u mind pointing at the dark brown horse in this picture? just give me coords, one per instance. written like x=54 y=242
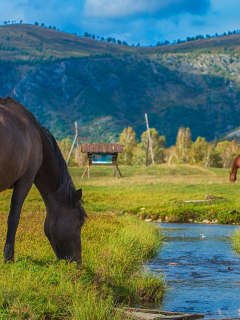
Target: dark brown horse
x=235 y=166
x=30 y=154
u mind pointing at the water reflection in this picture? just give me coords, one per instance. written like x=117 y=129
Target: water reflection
x=203 y=274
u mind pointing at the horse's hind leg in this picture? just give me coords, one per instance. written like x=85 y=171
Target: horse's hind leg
x=20 y=191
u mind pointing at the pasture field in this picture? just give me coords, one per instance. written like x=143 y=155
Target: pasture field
x=159 y=192
x=37 y=286
x=115 y=241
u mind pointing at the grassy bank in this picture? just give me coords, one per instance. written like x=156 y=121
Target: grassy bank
x=236 y=240
x=36 y=286
x=159 y=192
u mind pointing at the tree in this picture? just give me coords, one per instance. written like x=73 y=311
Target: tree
x=124 y=43
x=36 y=23
x=42 y=24
x=183 y=143
x=128 y=139
x=109 y=39
x=171 y=155
x=21 y=21
x=102 y=39
x=198 y=151
x=86 y=34
x=119 y=42
x=158 y=146
x=227 y=151
x=212 y=158
x=93 y=36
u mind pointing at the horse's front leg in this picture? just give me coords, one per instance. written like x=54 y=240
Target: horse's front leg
x=20 y=191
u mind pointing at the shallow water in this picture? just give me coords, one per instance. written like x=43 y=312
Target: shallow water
x=201 y=281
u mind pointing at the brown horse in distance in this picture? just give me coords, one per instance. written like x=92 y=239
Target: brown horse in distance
x=235 y=166
x=30 y=154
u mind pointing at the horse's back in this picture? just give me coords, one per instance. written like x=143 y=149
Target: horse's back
x=20 y=143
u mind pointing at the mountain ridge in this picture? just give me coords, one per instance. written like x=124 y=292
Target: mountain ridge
x=106 y=87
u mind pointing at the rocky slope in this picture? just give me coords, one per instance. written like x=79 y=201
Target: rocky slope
x=198 y=88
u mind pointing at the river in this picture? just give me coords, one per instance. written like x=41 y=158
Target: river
x=206 y=277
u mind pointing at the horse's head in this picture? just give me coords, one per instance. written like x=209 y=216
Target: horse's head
x=63 y=229
x=233 y=176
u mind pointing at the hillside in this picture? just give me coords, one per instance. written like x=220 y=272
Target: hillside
x=62 y=78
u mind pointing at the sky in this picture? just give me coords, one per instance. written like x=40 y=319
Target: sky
x=135 y=21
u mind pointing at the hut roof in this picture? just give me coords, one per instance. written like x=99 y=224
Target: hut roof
x=102 y=148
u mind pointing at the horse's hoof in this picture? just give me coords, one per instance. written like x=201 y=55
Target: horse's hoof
x=8 y=255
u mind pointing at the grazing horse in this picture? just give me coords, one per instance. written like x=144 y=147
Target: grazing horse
x=235 y=166
x=29 y=155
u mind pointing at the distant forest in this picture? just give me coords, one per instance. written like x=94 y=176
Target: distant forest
x=123 y=42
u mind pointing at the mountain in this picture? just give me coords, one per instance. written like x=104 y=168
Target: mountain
x=105 y=87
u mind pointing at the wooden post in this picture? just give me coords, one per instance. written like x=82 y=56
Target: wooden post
x=116 y=167
x=72 y=144
x=119 y=171
x=79 y=156
x=88 y=167
x=146 y=163
x=84 y=172
x=77 y=149
x=149 y=138
x=115 y=170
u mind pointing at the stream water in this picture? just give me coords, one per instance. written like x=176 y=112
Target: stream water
x=206 y=277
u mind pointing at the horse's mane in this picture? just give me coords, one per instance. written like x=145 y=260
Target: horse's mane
x=65 y=181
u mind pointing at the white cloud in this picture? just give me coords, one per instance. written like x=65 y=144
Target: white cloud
x=125 y=8
x=122 y=8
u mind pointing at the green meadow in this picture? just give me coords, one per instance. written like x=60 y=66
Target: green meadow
x=160 y=192
x=37 y=286
x=116 y=241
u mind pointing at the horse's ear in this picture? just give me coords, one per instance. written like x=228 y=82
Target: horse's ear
x=77 y=195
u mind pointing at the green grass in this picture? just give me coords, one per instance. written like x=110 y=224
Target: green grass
x=36 y=286
x=115 y=241
x=236 y=240
x=159 y=192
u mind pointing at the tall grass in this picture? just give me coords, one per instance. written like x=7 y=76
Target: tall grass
x=236 y=240
x=37 y=286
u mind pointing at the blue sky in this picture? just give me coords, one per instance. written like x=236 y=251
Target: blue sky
x=135 y=21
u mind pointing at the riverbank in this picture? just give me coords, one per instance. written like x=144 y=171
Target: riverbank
x=160 y=191
x=236 y=240
x=36 y=286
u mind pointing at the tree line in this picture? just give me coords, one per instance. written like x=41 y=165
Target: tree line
x=185 y=151
x=114 y=41
x=199 y=152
